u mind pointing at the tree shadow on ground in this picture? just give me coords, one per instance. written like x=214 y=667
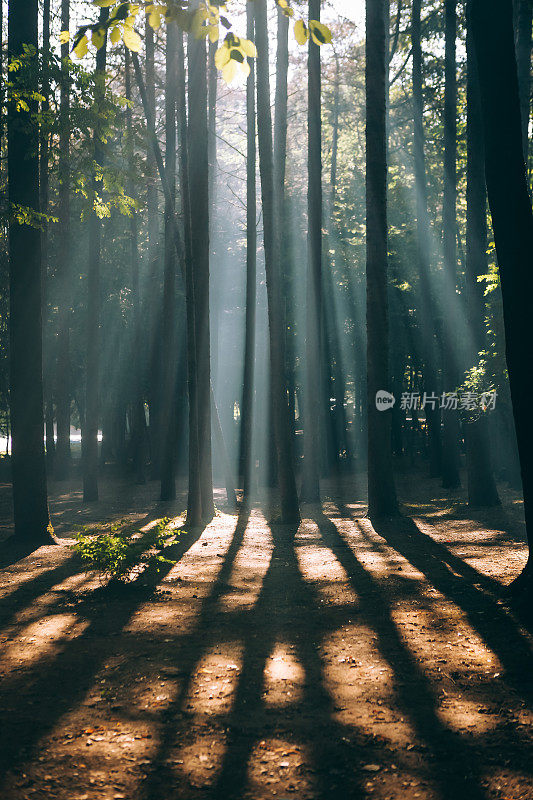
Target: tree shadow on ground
x=475 y=594
x=29 y=591
x=286 y=612
x=34 y=698
x=454 y=768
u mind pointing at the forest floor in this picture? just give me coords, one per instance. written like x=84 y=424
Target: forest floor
x=338 y=660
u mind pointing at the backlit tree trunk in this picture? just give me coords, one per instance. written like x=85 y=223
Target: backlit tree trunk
x=512 y=218
x=63 y=380
x=199 y=210
x=287 y=484
x=32 y=522
x=92 y=388
x=381 y=490
x=313 y=342
x=246 y=443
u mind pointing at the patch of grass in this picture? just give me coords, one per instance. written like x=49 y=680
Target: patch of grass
x=122 y=554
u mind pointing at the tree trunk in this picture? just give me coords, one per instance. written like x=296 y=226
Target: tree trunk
x=482 y=489
x=138 y=418
x=290 y=512
x=199 y=216
x=168 y=423
x=427 y=315
x=246 y=444
x=512 y=218
x=523 y=60
x=154 y=290
x=451 y=318
x=313 y=423
x=194 y=499
x=92 y=388
x=381 y=490
x=63 y=382
x=32 y=522
x=44 y=192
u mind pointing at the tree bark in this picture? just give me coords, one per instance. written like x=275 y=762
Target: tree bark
x=512 y=218
x=451 y=316
x=290 y=512
x=523 y=60
x=482 y=490
x=246 y=443
x=381 y=490
x=44 y=191
x=199 y=211
x=153 y=299
x=63 y=380
x=313 y=423
x=32 y=522
x=92 y=388
x=427 y=311
x=194 y=499
x=138 y=418
x=169 y=356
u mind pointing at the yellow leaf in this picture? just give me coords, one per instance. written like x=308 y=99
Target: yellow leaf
x=104 y=3
x=82 y=47
x=154 y=19
x=248 y=48
x=230 y=70
x=213 y=33
x=320 y=33
x=245 y=68
x=222 y=56
x=301 y=33
x=98 y=38
x=115 y=35
x=132 y=40
x=64 y=37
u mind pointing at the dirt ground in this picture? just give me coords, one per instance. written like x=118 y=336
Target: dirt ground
x=338 y=660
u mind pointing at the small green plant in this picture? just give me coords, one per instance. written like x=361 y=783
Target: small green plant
x=122 y=554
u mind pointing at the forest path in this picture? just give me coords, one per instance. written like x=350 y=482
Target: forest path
x=336 y=660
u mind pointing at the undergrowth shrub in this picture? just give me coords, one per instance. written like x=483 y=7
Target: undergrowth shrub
x=120 y=554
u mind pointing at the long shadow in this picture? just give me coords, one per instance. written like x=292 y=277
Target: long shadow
x=14 y=549
x=454 y=768
x=441 y=553
x=288 y=611
x=190 y=651
x=22 y=597
x=493 y=622
x=34 y=699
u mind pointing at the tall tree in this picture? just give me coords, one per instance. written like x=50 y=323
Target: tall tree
x=290 y=511
x=194 y=498
x=481 y=486
x=512 y=219
x=32 y=522
x=92 y=372
x=381 y=490
x=168 y=421
x=450 y=321
x=63 y=377
x=199 y=211
x=44 y=190
x=313 y=341
x=524 y=24
x=153 y=299
x=423 y=237
x=251 y=273
x=138 y=417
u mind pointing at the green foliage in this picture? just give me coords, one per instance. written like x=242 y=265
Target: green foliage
x=122 y=554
